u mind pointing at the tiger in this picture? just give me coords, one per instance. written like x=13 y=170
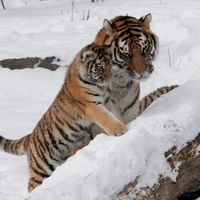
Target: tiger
x=65 y=127
x=133 y=47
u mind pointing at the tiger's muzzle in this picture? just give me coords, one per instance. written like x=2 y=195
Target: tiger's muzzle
x=140 y=67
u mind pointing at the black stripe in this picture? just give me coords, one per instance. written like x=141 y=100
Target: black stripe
x=46 y=143
x=71 y=127
x=61 y=108
x=67 y=96
x=93 y=94
x=131 y=104
x=51 y=134
x=51 y=137
x=58 y=119
x=86 y=82
x=140 y=107
x=1 y=138
x=106 y=100
x=81 y=127
x=64 y=135
x=41 y=132
x=12 y=148
x=95 y=102
x=78 y=137
x=36 y=181
x=44 y=175
x=63 y=144
x=151 y=98
x=146 y=103
x=75 y=100
x=41 y=144
x=7 y=146
x=39 y=166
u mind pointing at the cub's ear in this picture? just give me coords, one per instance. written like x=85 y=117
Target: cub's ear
x=108 y=27
x=145 y=20
x=87 y=55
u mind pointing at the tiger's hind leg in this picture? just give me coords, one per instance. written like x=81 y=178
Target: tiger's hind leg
x=39 y=170
x=34 y=181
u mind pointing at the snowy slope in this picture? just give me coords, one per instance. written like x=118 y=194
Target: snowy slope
x=45 y=28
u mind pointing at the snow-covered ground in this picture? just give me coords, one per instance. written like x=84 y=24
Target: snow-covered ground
x=52 y=27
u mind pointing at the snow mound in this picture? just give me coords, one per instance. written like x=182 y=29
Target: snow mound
x=108 y=163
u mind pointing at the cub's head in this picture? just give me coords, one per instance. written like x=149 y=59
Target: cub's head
x=132 y=45
x=96 y=64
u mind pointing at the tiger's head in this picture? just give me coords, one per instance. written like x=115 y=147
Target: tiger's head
x=96 y=64
x=131 y=43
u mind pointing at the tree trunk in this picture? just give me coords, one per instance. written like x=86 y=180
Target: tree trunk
x=188 y=178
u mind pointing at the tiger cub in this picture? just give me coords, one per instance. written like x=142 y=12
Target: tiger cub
x=65 y=127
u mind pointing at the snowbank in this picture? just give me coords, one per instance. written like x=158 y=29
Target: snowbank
x=108 y=163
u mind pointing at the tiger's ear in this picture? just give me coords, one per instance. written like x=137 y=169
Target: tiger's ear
x=108 y=26
x=146 y=20
x=87 y=55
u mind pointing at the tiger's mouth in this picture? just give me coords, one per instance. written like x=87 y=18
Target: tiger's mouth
x=140 y=76
x=97 y=80
x=101 y=81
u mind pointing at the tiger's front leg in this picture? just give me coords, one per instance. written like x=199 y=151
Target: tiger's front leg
x=105 y=119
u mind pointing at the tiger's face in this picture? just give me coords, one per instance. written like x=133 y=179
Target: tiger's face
x=97 y=64
x=132 y=45
x=134 y=54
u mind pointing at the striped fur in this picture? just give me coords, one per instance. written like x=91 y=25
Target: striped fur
x=133 y=47
x=148 y=99
x=65 y=127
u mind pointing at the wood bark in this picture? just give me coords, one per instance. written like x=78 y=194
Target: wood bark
x=50 y=63
x=187 y=181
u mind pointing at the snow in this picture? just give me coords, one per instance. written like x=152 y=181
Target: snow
x=100 y=170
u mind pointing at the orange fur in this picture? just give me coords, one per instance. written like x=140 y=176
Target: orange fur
x=66 y=126
x=133 y=47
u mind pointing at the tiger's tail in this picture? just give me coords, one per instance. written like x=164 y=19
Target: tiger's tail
x=16 y=147
x=148 y=99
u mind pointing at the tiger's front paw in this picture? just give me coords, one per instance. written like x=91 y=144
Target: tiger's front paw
x=121 y=133
x=118 y=129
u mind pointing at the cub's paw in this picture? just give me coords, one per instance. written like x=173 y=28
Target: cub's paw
x=121 y=133
x=118 y=128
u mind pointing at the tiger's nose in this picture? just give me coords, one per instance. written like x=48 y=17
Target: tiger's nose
x=107 y=75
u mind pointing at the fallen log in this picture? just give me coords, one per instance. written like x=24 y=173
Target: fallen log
x=50 y=63
x=186 y=162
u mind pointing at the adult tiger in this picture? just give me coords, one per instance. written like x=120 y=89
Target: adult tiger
x=133 y=47
x=65 y=127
